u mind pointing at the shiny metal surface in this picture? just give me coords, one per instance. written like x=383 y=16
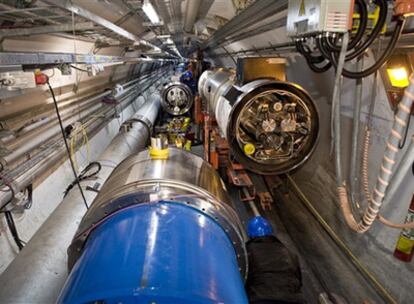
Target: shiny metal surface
x=159 y=252
x=276 y=120
x=182 y=177
x=177 y=98
x=39 y=271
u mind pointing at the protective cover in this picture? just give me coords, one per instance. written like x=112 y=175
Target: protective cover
x=274 y=273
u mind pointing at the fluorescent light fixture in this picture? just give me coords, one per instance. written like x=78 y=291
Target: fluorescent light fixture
x=149 y=10
x=169 y=41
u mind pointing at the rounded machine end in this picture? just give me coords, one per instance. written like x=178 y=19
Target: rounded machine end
x=273 y=127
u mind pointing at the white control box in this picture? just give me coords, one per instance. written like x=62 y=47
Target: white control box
x=307 y=17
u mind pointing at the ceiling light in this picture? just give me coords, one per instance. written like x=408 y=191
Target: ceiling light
x=149 y=10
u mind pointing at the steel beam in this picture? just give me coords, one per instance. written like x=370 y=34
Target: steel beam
x=78 y=10
x=84 y=26
x=256 y=12
x=256 y=31
x=10 y=60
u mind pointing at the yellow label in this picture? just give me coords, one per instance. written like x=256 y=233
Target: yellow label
x=302 y=11
x=405 y=245
x=249 y=149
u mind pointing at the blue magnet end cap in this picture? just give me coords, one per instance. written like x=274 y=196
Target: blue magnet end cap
x=258 y=227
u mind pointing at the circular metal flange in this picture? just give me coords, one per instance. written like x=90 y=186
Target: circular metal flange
x=168 y=191
x=177 y=98
x=142 y=119
x=182 y=178
x=242 y=104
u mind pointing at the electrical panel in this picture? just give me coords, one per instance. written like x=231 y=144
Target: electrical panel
x=306 y=17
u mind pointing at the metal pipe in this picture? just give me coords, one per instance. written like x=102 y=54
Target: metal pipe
x=180 y=223
x=191 y=12
x=21 y=182
x=371 y=213
x=256 y=12
x=401 y=172
x=67 y=106
x=37 y=274
x=34 y=138
x=336 y=112
x=356 y=126
x=259 y=120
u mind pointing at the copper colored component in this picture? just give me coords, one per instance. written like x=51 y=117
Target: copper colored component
x=198 y=113
x=266 y=200
x=251 y=194
x=404 y=7
x=238 y=176
x=214 y=159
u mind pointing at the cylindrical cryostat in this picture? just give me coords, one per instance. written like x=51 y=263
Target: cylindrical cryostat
x=271 y=126
x=160 y=231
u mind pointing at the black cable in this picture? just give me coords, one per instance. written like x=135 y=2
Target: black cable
x=62 y=129
x=363 y=13
x=313 y=60
x=5 y=182
x=383 y=6
x=79 y=69
x=401 y=144
x=383 y=58
x=29 y=203
x=83 y=175
x=13 y=229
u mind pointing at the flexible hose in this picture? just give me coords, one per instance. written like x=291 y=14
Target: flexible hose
x=383 y=7
x=365 y=160
x=365 y=183
x=375 y=201
x=313 y=60
x=384 y=57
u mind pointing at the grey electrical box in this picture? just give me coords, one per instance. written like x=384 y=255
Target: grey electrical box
x=307 y=17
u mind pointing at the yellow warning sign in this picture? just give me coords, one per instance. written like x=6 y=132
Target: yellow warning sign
x=302 y=11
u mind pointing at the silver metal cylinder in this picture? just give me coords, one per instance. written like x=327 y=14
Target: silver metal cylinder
x=271 y=126
x=183 y=178
x=177 y=98
x=38 y=273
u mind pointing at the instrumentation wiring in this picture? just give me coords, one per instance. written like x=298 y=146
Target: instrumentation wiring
x=62 y=129
x=329 y=51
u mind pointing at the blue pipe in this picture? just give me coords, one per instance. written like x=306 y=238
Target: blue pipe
x=162 y=252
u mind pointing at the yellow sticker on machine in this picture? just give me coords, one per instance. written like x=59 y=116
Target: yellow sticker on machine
x=405 y=245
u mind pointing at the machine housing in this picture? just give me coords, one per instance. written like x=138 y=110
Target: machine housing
x=306 y=17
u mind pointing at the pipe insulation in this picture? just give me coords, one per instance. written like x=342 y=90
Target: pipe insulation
x=39 y=271
x=21 y=181
x=40 y=114
x=386 y=168
x=165 y=231
x=35 y=137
